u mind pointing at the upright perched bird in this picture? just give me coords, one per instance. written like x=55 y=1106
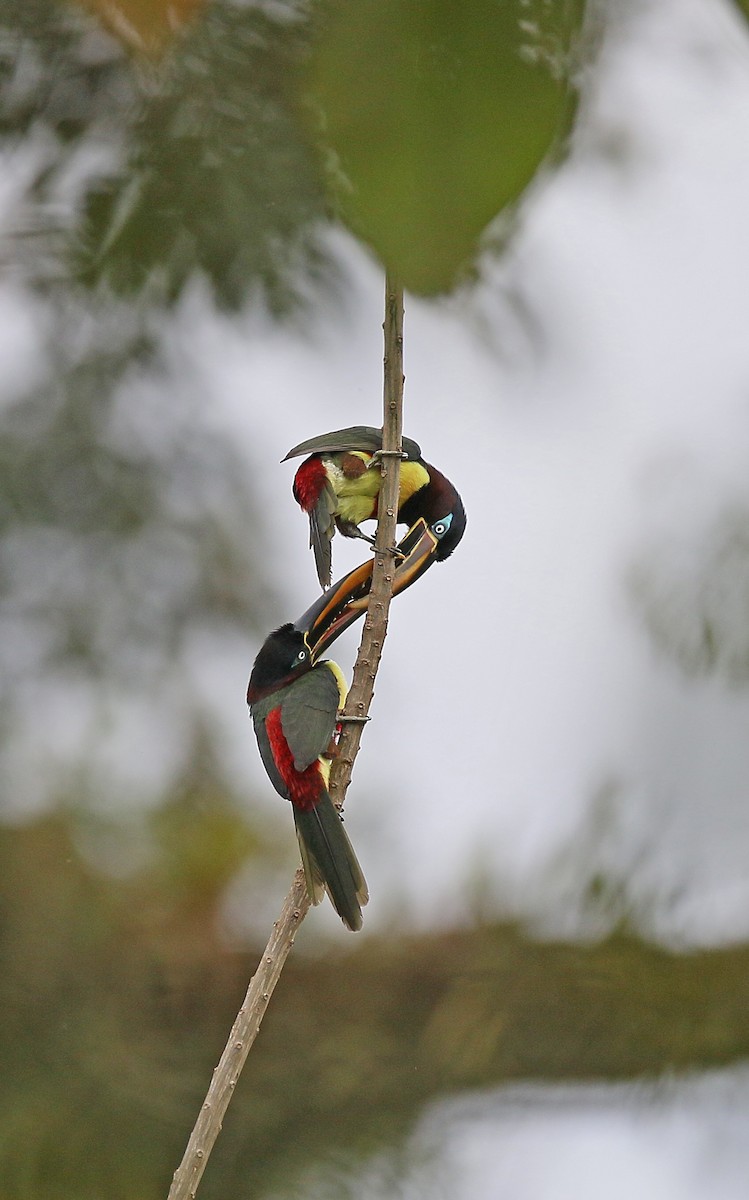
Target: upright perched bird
x=338 y=486
x=294 y=703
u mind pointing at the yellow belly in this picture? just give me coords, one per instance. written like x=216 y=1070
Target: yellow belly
x=337 y=673
x=356 y=497
x=340 y=679
x=413 y=476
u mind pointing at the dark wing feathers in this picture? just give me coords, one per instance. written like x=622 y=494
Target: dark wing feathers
x=329 y=860
x=355 y=437
x=312 y=870
x=308 y=715
x=321 y=530
x=266 y=755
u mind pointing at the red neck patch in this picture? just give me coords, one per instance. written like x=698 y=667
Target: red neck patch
x=309 y=482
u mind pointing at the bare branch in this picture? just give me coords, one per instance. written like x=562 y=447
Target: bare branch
x=375 y=623
x=243 y=1033
x=296 y=905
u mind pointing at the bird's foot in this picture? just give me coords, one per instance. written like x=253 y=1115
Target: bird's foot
x=396 y=553
x=378 y=455
x=350 y=529
x=332 y=750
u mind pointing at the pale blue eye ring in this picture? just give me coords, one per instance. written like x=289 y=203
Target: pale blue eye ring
x=441 y=527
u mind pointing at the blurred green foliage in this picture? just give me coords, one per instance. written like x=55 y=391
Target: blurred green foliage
x=127 y=537
x=144 y=174
x=217 y=177
x=428 y=119
x=436 y=116
x=690 y=589
x=117 y=997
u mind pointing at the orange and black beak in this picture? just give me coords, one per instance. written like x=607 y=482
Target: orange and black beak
x=346 y=600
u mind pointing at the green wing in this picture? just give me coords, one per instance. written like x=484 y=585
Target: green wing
x=308 y=715
x=356 y=437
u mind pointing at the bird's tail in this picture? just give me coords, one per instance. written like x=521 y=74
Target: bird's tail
x=321 y=530
x=329 y=861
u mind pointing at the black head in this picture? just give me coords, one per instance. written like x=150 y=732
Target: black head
x=441 y=507
x=283 y=656
x=449 y=528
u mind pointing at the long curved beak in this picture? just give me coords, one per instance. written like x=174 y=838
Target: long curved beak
x=346 y=600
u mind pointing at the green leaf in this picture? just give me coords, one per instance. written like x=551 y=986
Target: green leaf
x=438 y=115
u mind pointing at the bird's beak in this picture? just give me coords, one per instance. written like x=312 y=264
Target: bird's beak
x=346 y=600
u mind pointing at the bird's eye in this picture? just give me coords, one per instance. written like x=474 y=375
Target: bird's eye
x=301 y=655
x=441 y=527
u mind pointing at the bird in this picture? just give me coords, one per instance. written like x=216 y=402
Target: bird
x=338 y=487
x=294 y=701
x=347 y=600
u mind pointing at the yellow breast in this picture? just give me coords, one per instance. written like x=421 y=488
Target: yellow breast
x=412 y=477
x=356 y=497
x=340 y=679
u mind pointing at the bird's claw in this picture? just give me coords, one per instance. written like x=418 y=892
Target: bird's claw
x=350 y=529
x=396 y=553
x=378 y=455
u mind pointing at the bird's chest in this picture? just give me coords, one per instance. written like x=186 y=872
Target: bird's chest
x=356 y=487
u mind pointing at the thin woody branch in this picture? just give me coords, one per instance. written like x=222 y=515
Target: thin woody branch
x=243 y=1033
x=375 y=623
x=296 y=905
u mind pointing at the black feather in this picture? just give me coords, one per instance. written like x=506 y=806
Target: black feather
x=329 y=858
x=355 y=437
x=321 y=530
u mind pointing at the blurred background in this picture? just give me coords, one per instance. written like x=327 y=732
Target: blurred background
x=550 y=995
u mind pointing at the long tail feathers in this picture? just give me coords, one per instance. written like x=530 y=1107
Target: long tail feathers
x=329 y=861
x=321 y=530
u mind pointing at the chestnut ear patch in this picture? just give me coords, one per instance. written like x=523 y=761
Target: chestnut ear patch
x=353 y=466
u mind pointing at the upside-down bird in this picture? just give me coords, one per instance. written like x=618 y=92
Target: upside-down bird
x=338 y=486
x=294 y=702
